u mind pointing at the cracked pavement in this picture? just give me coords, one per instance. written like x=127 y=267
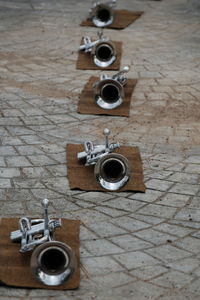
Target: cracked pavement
x=133 y=245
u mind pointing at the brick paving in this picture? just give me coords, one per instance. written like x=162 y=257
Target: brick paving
x=133 y=246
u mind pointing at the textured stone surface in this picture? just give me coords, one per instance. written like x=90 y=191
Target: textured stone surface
x=133 y=246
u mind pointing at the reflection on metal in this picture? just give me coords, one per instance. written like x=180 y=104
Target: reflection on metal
x=102 y=51
x=109 y=91
x=101 y=14
x=111 y=170
x=52 y=262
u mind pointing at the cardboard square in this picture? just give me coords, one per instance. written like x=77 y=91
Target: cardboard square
x=122 y=19
x=82 y=177
x=87 y=104
x=15 y=266
x=85 y=61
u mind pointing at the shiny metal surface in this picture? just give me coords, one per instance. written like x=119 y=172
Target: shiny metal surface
x=52 y=262
x=109 y=91
x=102 y=14
x=93 y=152
x=104 y=54
x=102 y=51
x=35 y=232
x=112 y=170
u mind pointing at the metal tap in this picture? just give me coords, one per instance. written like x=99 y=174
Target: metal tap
x=35 y=232
x=93 y=152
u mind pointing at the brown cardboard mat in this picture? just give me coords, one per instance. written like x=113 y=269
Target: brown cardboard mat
x=82 y=177
x=87 y=104
x=15 y=266
x=122 y=19
x=85 y=61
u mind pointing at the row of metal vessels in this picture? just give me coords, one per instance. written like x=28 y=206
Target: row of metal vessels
x=53 y=262
x=111 y=170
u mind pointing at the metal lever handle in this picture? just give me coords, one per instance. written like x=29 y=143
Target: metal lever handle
x=121 y=75
x=106 y=132
x=45 y=204
x=93 y=153
x=35 y=232
x=88 y=44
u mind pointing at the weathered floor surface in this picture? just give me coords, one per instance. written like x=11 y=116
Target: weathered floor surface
x=133 y=246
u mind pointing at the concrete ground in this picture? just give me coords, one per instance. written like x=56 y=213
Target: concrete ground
x=133 y=246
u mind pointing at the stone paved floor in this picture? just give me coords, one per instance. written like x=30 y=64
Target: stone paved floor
x=133 y=246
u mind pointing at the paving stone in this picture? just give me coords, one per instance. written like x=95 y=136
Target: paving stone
x=57 y=170
x=132 y=260
x=11 y=141
x=28 y=150
x=41 y=160
x=101 y=265
x=27 y=184
x=158 y=210
x=184 y=178
x=186 y=265
x=130 y=243
x=189 y=244
x=34 y=172
x=168 y=253
x=157 y=184
x=194 y=287
x=167 y=157
x=125 y=204
x=11 y=208
x=86 y=234
x=85 y=204
x=185 y=189
x=5 y=183
x=32 y=111
x=188 y=214
x=2 y=162
x=155 y=237
x=160 y=174
x=101 y=247
x=175 y=200
x=195 y=203
x=59 y=157
x=130 y=224
x=7 y=151
x=106 y=229
x=51 y=148
x=148 y=219
x=94 y=197
x=113 y=280
x=111 y=212
x=172 y=279
x=193 y=159
x=173 y=229
x=64 y=204
x=141 y=290
x=149 y=272
x=45 y=193
x=19 y=130
x=148 y=196
x=89 y=215
x=21 y=161
x=9 y=172
x=177 y=167
x=12 y=292
x=192 y=168
x=32 y=139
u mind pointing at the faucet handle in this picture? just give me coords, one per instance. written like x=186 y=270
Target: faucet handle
x=106 y=133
